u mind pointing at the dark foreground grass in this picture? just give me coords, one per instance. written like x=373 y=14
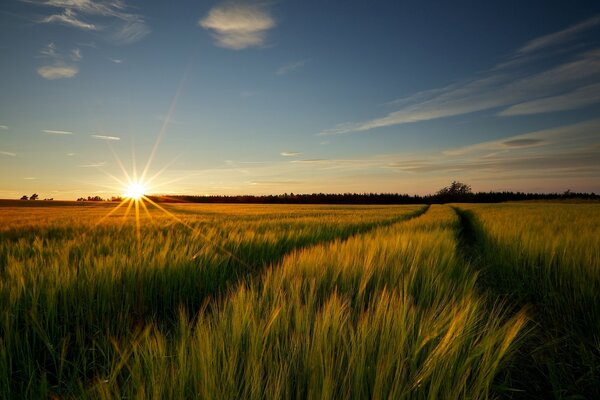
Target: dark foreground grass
x=546 y=256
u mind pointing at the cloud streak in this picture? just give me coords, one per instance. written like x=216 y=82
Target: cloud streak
x=8 y=153
x=521 y=86
x=291 y=67
x=109 y=16
x=56 y=67
x=580 y=97
x=53 y=132
x=572 y=150
x=238 y=26
x=102 y=137
x=560 y=37
x=69 y=17
x=59 y=71
x=93 y=165
x=290 y=153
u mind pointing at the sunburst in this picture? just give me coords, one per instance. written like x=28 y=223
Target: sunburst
x=136 y=189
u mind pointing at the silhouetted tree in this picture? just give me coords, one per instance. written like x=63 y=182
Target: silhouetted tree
x=24 y=197
x=34 y=196
x=455 y=189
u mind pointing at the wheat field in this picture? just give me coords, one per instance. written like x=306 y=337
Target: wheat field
x=318 y=302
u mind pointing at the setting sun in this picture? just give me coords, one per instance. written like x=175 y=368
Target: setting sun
x=135 y=191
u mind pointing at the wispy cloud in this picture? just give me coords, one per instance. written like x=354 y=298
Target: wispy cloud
x=102 y=137
x=76 y=54
x=238 y=26
x=49 y=50
x=93 y=165
x=70 y=18
x=52 y=72
x=580 y=97
x=560 y=37
x=116 y=60
x=522 y=85
x=275 y=182
x=56 y=66
x=110 y=16
x=290 y=153
x=3 y=127
x=30 y=178
x=54 y=132
x=291 y=67
x=572 y=150
x=7 y=153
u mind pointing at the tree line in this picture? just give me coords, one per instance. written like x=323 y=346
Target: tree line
x=456 y=192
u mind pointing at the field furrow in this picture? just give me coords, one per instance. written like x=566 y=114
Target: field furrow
x=548 y=258
x=393 y=313
x=70 y=291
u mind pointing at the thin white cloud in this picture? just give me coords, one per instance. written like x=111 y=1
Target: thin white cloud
x=76 y=54
x=291 y=67
x=70 y=18
x=566 y=136
x=116 y=60
x=560 y=37
x=566 y=151
x=580 y=97
x=70 y=154
x=57 y=71
x=102 y=137
x=501 y=86
x=110 y=16
x=30 y=178
x=3 y=127
x=7 y=153
x=56 y=67
x=290 y=153
x=54 y=132
x=131 y=31
x=49 y=50
x=93 y=165
x=238 y=26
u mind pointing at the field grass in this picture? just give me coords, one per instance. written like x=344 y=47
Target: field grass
x=548 y=256
x=231 y=301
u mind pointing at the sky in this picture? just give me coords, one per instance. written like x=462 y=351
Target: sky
x=301 y=96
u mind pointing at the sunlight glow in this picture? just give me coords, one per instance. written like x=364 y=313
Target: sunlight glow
x=135 y=191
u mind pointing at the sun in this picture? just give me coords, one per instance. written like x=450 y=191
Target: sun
x=135 y=191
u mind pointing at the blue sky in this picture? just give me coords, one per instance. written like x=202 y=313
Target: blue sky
x=298 y=96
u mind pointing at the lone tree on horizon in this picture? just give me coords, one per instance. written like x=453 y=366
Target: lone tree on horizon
x=457 y=191
x=34 y=196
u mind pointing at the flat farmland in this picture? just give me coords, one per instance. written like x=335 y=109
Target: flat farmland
x=291 y=301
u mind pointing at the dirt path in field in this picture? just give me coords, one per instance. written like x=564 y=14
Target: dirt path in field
x=533 y=373
x=245 y=269
x=524 y=374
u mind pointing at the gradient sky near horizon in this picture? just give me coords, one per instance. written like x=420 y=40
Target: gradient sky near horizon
x=267 y=97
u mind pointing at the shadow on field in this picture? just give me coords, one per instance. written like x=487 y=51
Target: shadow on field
x=70 y=331
x=558 y=358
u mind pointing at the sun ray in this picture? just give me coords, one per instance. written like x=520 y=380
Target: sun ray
x=128 y=209
x=165 y=124
x=197 y=232
x=137 y=226
x=143 y=204
x=110 y=213
x=163 y=169
x=125 y=174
